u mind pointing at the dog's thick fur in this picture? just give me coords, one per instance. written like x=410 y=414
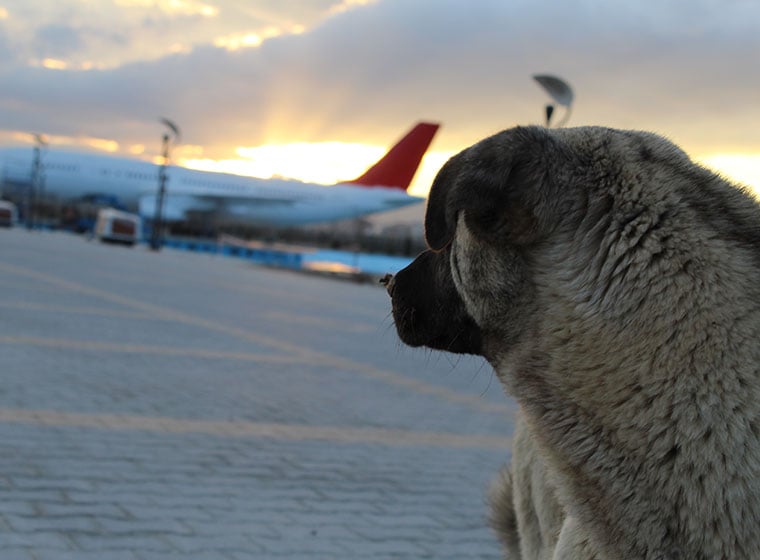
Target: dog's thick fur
x=614 y=286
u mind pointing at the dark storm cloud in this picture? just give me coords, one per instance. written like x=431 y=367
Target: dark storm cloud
x=685 y=69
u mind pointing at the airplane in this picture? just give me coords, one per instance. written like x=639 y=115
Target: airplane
x=228 y=198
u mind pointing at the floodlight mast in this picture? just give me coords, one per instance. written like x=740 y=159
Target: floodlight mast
x=560 y=92
x=156 y=238
x=36 y=185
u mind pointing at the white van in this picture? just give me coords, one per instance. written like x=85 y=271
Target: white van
x=8 y=214
x=115 y=226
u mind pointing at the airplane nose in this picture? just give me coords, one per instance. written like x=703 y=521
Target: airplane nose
x=389 y=282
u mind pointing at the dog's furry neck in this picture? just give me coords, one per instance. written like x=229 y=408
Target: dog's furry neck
x=619 y=380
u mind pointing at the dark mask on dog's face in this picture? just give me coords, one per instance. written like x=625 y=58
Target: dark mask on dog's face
x=427 y=308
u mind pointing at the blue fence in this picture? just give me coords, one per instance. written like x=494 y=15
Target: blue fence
x=346 y=261
x=269 y=257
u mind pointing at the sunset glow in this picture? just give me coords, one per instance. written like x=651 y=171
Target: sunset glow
x=323 y=163
x=250 y=40
x=741 y=168
x=110 y=146
x=180 y=7
x=328 y=163
x=54 y=64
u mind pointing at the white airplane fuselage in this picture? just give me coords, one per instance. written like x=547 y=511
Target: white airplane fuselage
x=69 y=176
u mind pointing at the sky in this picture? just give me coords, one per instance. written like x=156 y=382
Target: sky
x=317 y=90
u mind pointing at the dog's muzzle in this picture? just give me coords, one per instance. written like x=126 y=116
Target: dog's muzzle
x=427 y=309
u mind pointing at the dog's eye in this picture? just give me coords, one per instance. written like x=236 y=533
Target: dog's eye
x=489 y=220
x=484 y=223
x=514 y=224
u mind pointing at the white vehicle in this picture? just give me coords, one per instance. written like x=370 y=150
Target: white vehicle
x=115 y=226
x=228 y=198
x=8 y=214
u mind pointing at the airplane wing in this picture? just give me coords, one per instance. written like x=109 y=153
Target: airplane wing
x=278 y=210
x=176 y=206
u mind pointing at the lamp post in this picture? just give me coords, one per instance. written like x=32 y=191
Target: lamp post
x=156 y=234
x=560 y=92
x=35 y=185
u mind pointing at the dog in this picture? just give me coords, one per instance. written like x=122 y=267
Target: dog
x=614 y=287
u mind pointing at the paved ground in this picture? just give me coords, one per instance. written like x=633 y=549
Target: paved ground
x=158 y=405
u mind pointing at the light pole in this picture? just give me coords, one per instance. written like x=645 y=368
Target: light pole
x=35 y=185
x=156 y=233
x=560 y=92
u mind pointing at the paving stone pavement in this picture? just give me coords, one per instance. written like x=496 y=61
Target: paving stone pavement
x=179 y=405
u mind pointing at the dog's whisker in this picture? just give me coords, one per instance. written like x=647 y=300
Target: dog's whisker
x=490 y=380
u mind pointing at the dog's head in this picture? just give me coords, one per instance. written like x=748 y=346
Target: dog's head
x=497 y=213
x=484 y=212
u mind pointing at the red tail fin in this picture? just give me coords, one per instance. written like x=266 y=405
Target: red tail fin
x=397 y=168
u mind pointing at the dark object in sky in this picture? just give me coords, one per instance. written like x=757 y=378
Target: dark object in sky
x=549 y=113
x=173 y=127
x=558 y=89
x=560 y=92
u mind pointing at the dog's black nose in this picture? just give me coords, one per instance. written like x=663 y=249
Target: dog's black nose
x=388 y=281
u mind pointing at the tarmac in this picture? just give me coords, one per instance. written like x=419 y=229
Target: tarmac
x=182 y=405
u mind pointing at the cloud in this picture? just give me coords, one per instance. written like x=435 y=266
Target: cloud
x=172 y=7
x=57 y=41
x=6 y=51
x=685 y=69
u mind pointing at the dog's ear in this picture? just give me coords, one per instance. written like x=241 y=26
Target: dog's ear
x=497 y=183
x=440 y=216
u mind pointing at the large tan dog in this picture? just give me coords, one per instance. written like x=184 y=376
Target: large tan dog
x=614 y=286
